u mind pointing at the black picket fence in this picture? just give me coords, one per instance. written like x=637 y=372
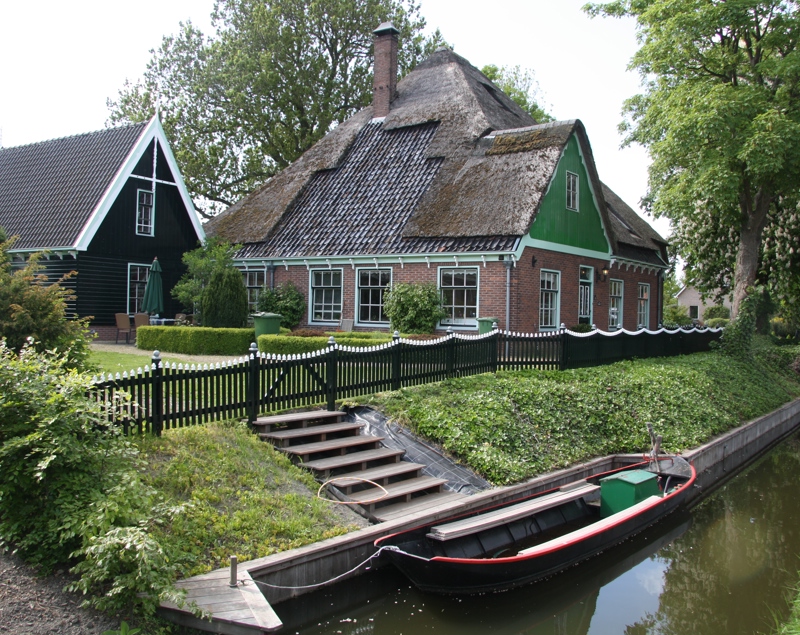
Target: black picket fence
x=164 y=396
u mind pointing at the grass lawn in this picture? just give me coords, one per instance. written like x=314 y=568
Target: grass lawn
x=133 y=358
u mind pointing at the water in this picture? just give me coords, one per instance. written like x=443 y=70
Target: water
x=724 y=568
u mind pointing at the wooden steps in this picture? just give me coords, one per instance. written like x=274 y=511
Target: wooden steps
x=333 y=448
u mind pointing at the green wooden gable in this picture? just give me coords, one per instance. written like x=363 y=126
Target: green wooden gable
x=555 y=223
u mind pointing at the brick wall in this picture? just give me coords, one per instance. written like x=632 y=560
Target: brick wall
x=524 y=288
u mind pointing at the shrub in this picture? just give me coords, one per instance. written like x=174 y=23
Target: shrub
x=414 y=307
x=293 y=345
x=581 y=328
x=738 y=337
x=201 y=263
x=285 y=299
x=676 y=314
x=225 y=300
x=190 y=340
x=32 y=306
x=716 y=311
x=715 y=323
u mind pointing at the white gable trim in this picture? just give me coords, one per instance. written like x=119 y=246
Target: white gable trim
x=153 y=130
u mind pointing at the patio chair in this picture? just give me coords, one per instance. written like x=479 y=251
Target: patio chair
x=141 y=319
x=123 y=326
x=346 y=325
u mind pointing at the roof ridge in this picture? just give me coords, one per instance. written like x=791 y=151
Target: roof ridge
x=538 y=126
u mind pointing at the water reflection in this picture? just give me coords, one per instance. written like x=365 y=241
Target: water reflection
x=724 y=570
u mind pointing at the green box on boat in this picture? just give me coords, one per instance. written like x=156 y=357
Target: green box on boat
x=620 y=491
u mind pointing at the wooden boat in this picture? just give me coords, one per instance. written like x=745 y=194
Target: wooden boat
x=533 y=538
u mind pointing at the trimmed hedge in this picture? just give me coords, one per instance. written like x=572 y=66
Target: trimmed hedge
x=195 y=340
x=715 y=323
x=290 y=345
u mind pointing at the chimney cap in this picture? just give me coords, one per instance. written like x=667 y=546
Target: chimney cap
x=386 y=28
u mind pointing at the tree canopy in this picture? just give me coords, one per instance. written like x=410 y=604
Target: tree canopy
x=720 y=116
x=520 y=84
x=242 y=104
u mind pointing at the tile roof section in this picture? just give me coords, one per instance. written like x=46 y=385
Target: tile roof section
x=48 y=190
x=362 y=206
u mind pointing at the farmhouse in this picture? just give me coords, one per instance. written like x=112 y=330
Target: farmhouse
x=445 y=179
x=103 y=204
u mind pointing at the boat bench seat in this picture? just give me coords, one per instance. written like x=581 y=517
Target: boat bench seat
x=600 y=525
x=472 y=525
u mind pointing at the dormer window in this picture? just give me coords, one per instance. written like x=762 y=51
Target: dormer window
x=572 y=191
x=144 y=213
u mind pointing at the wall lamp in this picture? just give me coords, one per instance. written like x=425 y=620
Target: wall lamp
x=533 y=262
x=601 y=276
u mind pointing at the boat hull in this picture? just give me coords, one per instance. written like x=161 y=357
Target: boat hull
x=457 y=576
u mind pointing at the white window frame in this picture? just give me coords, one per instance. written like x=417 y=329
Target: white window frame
x=251 y=277
x=573 y=191
x=643 y=306
x=335 y=315
x=142 y=228
x=589 y=289
x=615 y=304
x=555 y=308
x=381 y=289
x=462 y=322
x=135 y=306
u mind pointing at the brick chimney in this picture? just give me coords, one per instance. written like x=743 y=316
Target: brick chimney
x=385 y=71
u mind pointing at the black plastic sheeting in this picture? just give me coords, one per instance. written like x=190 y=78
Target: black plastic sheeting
x=459 y=478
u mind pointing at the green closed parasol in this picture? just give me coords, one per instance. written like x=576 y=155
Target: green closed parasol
x=153 y=300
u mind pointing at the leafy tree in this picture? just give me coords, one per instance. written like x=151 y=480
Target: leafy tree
x=32 y=306
x=285 y=299
x=414 y=307
x=225 y=299
x=521 y=85
x=720 y=116
x=276 y=76
x=676 y=315
x=201 y=263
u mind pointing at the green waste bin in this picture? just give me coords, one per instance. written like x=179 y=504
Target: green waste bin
x=485 y=324
x=267 y=323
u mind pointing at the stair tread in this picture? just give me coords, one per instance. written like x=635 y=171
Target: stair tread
x=382 y=471
x=295 y=417
x=333 y=444
x=295 y=433
x=336 y=462
x=401 y=488
x=422 y=504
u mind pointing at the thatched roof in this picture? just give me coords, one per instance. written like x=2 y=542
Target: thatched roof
x=456 y=166
x=636 y=239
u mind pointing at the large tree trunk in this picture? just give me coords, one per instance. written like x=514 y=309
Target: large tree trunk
x=754 y=218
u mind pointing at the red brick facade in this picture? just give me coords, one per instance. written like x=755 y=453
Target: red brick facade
x=523 y=288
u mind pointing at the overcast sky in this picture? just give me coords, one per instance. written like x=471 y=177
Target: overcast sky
x=62 y=60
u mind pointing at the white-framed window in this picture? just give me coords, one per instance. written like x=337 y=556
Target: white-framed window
x=616 y=289
x=326 y=295
x=144 y=212
x=572 y=191
x=643 y=312
x=254 y=281
x=549 y=299
x=137 y=280
x=459 y=289
x=585 y=294
x=371 y=287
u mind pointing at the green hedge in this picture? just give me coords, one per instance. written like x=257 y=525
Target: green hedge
x=289 y=345
x=195 y=340
x=715 y=323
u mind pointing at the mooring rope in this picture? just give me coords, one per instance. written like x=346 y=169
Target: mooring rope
x=319 y=584
x=358 y=478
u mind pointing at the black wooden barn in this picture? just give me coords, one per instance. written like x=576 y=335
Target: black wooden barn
x=104 y=204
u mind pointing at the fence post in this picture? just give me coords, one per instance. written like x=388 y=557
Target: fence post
x=331 y=374
x=495 y=346
x=252 y=385
x=396 y=362
x=450 y=352
x=157 y=404
x=563 y=361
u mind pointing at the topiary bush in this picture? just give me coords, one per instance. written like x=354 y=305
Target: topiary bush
x=225 y=300
x=715 y=323
x=193 y=340
x=581 y=328
x=285 y=299
x=414 y=307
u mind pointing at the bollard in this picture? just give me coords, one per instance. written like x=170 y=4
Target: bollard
x=234 y=581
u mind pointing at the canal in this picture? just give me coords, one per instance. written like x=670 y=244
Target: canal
x=725 y=567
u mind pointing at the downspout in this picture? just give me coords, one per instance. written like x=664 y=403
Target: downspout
x=271 y=268
x=508 y=263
